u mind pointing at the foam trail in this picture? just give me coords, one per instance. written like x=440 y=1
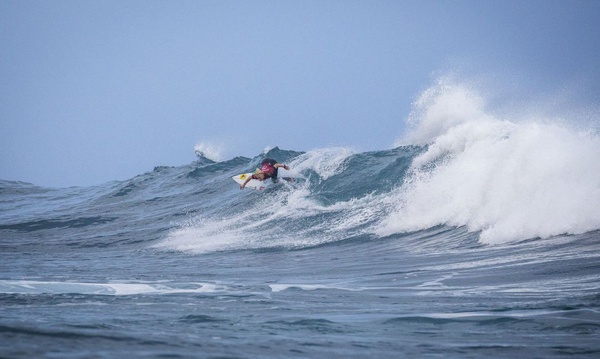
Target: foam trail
x=117 y=289
x=259 y=224
x=510 y=181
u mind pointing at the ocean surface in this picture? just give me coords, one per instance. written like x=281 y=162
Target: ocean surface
x=478 y=239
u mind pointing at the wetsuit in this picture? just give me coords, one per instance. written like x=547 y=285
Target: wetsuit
x=272 y=171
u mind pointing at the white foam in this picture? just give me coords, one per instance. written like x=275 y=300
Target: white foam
x=326 y=162
x=208 y=236
x=210 y=150
x=307 y=287
x=260 y=226
x=439 y=109
x=509 y=180
x=123 y=288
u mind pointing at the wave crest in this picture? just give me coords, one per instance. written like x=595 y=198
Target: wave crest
x=509 y=181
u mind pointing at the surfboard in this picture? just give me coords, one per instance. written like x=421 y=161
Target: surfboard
x=261 y=185
x=253 y=183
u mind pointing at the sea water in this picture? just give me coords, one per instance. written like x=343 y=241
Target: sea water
x=474 y=237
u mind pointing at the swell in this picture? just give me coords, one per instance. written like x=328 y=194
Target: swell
x=583 y=321
x=45 y=224
x=72 y=336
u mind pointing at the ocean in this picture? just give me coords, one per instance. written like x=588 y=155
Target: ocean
x=473 y=239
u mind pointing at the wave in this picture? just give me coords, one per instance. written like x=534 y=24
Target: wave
x=460 y=169
x=504 y=180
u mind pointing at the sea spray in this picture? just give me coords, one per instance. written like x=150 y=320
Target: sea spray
x=508 y=180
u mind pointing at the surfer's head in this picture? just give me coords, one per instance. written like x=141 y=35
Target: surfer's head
x=259 y=175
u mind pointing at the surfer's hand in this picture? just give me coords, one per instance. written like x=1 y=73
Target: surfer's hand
x=242 y=186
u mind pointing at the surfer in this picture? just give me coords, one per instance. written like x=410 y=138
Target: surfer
x=268 y=169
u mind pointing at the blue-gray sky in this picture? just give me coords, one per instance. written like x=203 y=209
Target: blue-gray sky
x=93 y=91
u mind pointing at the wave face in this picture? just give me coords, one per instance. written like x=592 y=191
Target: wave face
x=474 y=236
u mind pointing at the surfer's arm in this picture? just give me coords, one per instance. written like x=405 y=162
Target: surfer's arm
x=246 y=182
x=277 y=165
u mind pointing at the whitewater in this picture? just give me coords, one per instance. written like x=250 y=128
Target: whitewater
x=476 y=235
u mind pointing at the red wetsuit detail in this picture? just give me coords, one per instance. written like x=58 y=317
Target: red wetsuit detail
x=268 y=170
